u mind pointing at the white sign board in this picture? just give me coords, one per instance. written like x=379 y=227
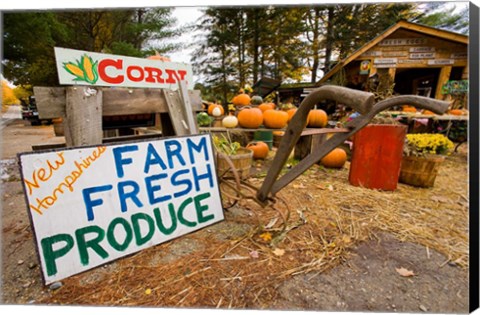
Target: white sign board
x=385 y=60
x=422 y=49
x=422 y=55
x=92 y=205
x=402 y=41
x=89 y=68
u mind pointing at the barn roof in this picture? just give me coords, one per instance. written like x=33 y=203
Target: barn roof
x=419 y=28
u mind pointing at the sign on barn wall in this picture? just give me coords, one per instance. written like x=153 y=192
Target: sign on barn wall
x=89 y=68
x=92 y=205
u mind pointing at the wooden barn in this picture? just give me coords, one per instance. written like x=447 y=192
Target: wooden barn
x=417 y=59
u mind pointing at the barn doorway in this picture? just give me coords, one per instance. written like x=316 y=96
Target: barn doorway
x=416 y=81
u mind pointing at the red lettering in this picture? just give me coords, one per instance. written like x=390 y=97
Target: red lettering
x=153 y=75
x=130 y=75
x=182 y=74
x=172 y=75
x=117 y=64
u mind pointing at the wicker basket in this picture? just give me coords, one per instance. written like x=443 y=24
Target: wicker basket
x=420 y=171
x=242 y=162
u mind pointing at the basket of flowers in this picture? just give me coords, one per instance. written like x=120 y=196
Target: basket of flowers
x=423 y=155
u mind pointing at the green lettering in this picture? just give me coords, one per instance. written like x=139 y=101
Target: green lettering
x=201 y=208
x=51 y=255
x=136 y=228
x=94 y=243
x=180 y=213
x=111 y=234
x=160 y=225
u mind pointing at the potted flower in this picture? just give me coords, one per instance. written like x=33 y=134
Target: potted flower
x=423 y=155
x=231 y=151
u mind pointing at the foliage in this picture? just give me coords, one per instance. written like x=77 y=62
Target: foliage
x=224 y=144
x=425 y=143
x=8 y=97
x=29 y=38
x=204 y=120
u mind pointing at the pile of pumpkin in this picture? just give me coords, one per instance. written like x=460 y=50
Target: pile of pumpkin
x=413 y=109
x=253 y=112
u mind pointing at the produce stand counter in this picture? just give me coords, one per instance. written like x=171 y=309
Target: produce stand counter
x=452 y=126
x=309 y=138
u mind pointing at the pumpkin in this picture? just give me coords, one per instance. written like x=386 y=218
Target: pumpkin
x=212 y=106
x=250 y=118
x=275 y=119
x=260 y=149
x=266 y=106
x=456 y=112
x=241 y=99
x=230 y=121
x=256 y=100
x=409 y=109
x=427 y=112
x=290 y=113
x=317 y=118
x=335 y=159
x=158 y=57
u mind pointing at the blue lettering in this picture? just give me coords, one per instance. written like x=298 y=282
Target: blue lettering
x=174 y=148
x=89 y=203
x=198 y=177
x=202 y=146
x=152 y=159
x=151 y=189
x=179 y=182
x=120 y=161
x=123 y=195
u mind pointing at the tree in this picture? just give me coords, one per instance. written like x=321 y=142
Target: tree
x=8 y=97
x=30 y=37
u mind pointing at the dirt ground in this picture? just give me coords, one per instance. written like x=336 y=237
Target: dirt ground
x=366 y=276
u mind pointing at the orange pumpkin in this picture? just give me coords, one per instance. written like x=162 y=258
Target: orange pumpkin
x=266 y=106
x=275 y=119
x=317 y=118
x=290 y=113
x=250 y=118
x=409 y=109
x=158 y=57
x=456 y=112
x=212 y=106
x=427 y=112
x=260 y=149
x=241 y=99
x=335 y=159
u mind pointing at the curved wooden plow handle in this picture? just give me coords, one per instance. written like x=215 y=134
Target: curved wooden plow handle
x=297 y=124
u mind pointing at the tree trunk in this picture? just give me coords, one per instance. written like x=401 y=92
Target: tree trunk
x=329 y=41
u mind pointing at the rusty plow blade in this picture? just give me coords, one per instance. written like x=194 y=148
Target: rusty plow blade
x=362 y=102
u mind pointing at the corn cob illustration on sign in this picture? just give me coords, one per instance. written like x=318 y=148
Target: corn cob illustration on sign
x=76 y=67
x=83 y=70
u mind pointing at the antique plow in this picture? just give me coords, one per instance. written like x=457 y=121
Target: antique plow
x=362 y=102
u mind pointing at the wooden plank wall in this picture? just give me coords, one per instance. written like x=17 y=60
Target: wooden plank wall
x=51 y=101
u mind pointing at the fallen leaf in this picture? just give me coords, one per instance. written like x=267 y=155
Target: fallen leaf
x=266 y=236
x=440 y=199
x=330 y=187
x=254 y=254
x=299 y=186
x=405 y=272
x=271 y=223
x=279 y=252
x=346 y=239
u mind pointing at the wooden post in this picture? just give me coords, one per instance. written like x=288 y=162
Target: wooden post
x=442 y=79
x=83 y=119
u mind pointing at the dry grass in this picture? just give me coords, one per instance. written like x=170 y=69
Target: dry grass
x=328 y=216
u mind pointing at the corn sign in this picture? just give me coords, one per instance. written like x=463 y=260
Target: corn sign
x=89 y=68
x=83 y=70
